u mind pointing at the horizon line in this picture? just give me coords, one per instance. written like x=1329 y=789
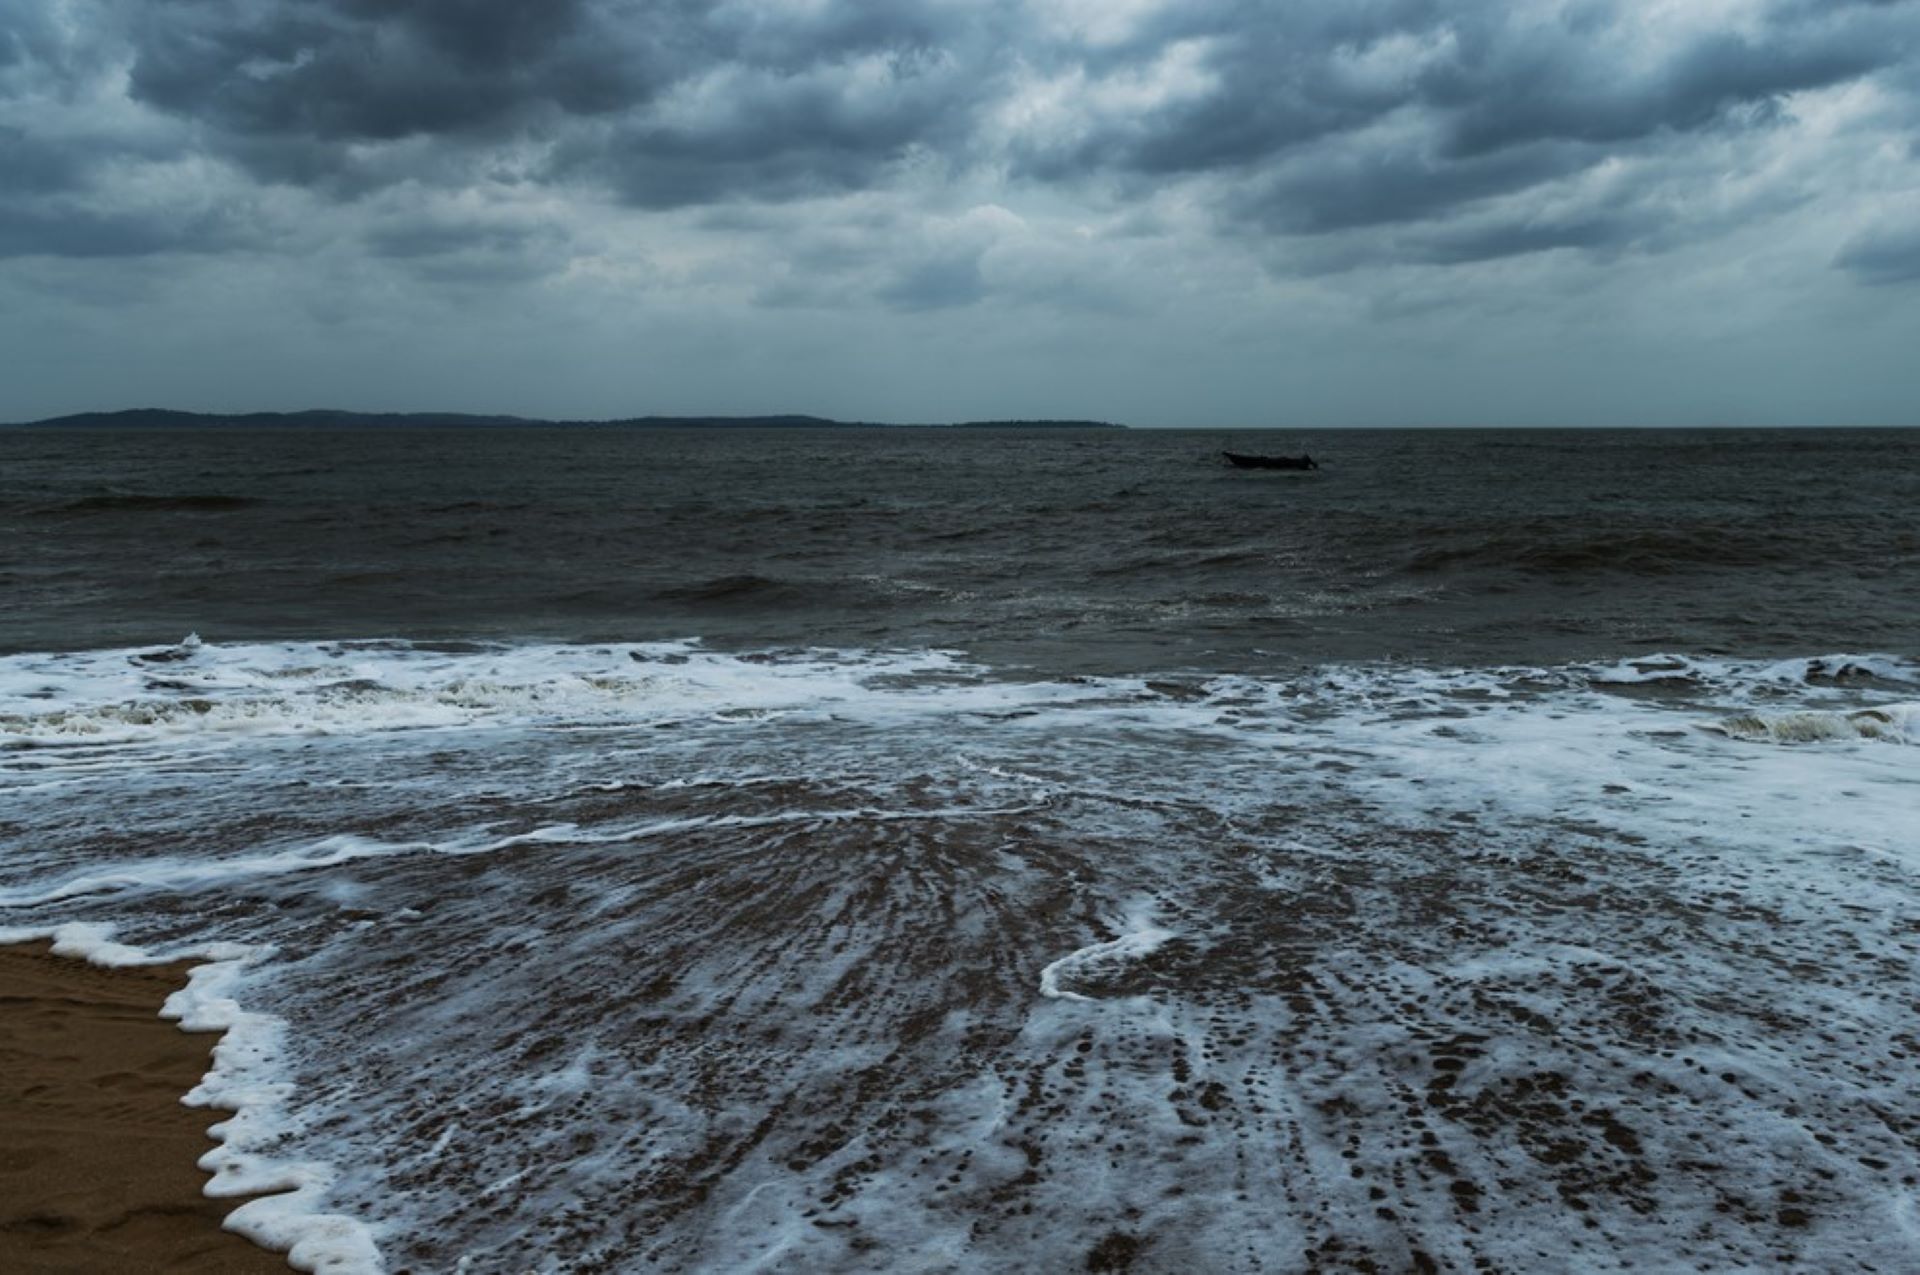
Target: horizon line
x=326 y=418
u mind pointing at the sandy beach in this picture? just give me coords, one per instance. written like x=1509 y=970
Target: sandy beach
x=97 y=1162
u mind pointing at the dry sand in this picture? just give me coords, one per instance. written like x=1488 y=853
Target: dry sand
x=97 y=1154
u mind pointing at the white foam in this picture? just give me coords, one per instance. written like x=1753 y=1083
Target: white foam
x=173 y=874
x=212 y=691
x=1138 y=939
x=756 y=987
x=246 y=1078
x=1729 y=675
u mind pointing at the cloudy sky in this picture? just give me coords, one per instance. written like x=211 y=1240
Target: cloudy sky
x=1164 y=212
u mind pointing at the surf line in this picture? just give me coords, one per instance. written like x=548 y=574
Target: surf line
x=248 y=1079
x=1097 y=957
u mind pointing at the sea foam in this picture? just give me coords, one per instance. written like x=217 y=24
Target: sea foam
x=652 y=955
x=246 y=1079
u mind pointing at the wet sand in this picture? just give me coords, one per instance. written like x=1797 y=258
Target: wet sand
x=97 y=1154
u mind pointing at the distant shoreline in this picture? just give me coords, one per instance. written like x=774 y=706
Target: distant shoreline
x=153 y=418
x=163 y=418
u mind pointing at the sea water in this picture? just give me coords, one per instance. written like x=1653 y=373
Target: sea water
x=859 y=851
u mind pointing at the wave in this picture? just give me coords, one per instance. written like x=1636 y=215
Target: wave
x=733 y=589
x=1184 y=562
x=479 y=507
x=378 y=685
x=859 y=593
x=1557 y=551
x=331 y=688
x=1726 y=676
x=1896 y=722
x=192 y=502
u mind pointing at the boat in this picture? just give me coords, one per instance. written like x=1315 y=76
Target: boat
x=1240 y=460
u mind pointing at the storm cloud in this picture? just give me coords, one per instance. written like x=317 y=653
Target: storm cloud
x=1889 y=253
x=929 y=158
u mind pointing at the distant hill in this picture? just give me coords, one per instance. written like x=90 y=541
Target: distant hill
x=163 y=418
x=1035 y=425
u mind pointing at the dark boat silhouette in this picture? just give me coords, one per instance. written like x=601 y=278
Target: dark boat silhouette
x=1240 y=460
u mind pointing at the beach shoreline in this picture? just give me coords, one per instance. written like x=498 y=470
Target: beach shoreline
x=98 y=1163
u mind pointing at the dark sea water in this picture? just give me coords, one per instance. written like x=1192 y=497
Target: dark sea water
x=1079 y=551
x=977 y=851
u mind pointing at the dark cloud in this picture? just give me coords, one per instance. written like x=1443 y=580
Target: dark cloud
x=1885 y=255
x=346 y=71
x=307 y=91
x=30 y=42
x=429 y=237
x=1484 y=77
x=1362 y=185
x=938 y=283
x=40 y=165
x=69 y=230
x=1555 y=90
x=1441 y=128
x=58 y=198
x=770 y=136
x=1594 y=234
x=1397 y=113
x=1278 y=77
x=445 y=248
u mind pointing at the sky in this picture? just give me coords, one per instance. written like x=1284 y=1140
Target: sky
x=1159 y=212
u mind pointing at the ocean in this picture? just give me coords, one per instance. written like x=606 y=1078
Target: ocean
x=919 y=850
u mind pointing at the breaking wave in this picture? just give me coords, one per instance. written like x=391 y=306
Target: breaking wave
x=1900 y=722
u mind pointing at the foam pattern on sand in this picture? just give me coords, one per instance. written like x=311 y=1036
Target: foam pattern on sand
x=604 y=958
